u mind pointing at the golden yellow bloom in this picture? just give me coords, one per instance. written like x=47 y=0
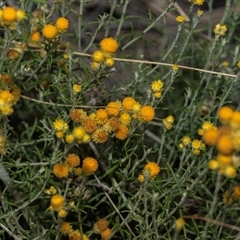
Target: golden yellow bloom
x=157 y=94
x=78 y=132
x=213 y=164
x=200 y=12
x=101 y=116
x=106 y=234
x=20 y=15
x=6 y=96
x=100 y=225
x=179 y=224
x=146 y=113
x=236 y=193
x=168 y=121
x=109 y=62
x=225 y=114
x=210 y=136
x=100 y=136
x=90 y=165
x=230 y=172
x=59 y=134
x=175 y=67
x=98 y=56
x=157 y=85
x=112 y=124
x=60 y=170
x=125 y=118
x=66 y=228
x=35 y=36
x=224 y=144
x=113 y=108
x=78 y=115
x=128 y=103
x=62 y=213
x=9 y=14
x=197 y=2
x=62 y=24
x=141 y=178
x=186 y=140
x=180 y=19
x=152 y=168
x=57 y=202
x=60 y=125
x=109 y=45
x=51 y=191
x=78 y=171
x=76 y=88
x=69 y=138
x=72 y=160
x=89 y=125
x=219 y=30
x=49 y=31
x=121 y=132
x=95 y=66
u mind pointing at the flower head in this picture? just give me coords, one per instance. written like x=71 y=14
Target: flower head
x=100 y=225
x=157 y=85
x=109 y=45
x=152 y=168
x=180 y=19
x=60 y=170
x=76 y=88
x=113 y=108
x=35 y=36
x=225 y=114
x=72 y=160
x=78 y=115
x=105 y=234
x=66 y=228
x=101 y=116
x=100 y=136
x=78 y=132
x=121 y=132
x=109 y=62
x=57 y=202
x=20 y=15
x=125 y=118
x=60 y=125
x=9 y=14
x=146 y=113
x=49 y=31
x=62 y=24
x=89 y=125
x=128 y=103
x=90 y=165
x=179 y=224
x=168 y=121
x=98 y=56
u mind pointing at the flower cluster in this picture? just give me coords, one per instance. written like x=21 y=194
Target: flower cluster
x=104 y=56
x=114 y=119
x=60 y=127
x=157 y=88
x=168 y=121
x=151 y=169
x=9 y=94
x=219 y=31
x=57 y=204
x=72 y=165
x=229 y=198
x=9 y=17
x=101 y=227
x=226 y=139
x=66 y=229
x=51 y=31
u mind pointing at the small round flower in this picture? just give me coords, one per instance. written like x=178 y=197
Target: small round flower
x=49 y=31
x=60 y=170
x=152 y=168
x=78 y=132
x=210 y=136
x=230 y=172
x=78 y=171
x=179 y=224
x=122 y=132
x=100 y=136
x=9 y=14
x=95 y=66
x=168 y=121
x=141 y=178
x=60 y=125
x=86 y=138
x=175 y=67
x=106 y=234
x=35 y=36
x=235 y=120
x=225 y=114
x=101 y=116
x=89 y=125
x=198 y=2
x=213 y=164
x=76 y=88
x=78 y=115
x=62 y=24
x=157 y=94
x=20 y=15
x=128 y=103
x=57 y=202
x=112 y=124
x=98 y=56
x=225 y=145
x=90 y=165
x=125 y=118
x=109 y=45
x=100 y=225
x=66 y=228
x=236 y=193
x=6 y=96
x=109 y=62
x=180 y=19
x=69 y=138
x=62 y=213
x=113 y=108
x=186 y=140
x=146 y=113
x=157 y=85
x=224 y=159
x=72 y=160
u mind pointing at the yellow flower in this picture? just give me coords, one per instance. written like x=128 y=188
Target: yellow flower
x=186 y=140
x=100 y=136
x=60 y=125
x=152 y=168
x=238 y=64
x=157 y=94
x=213 y=164
x=230 y=172
x=49 y=31
x=141 y=178
x=113 y=108
x=62 y=213
x=9 y=14
x=60 y=170
x=128 y=103
x=220 y=30
x=20 y=15
x=168 y=121
x=109 y=62
x=101 y=116
x=62 y=24
x=225 y=114
x=105 y=234
x=69 y=138
x=210 y=136
x=76 y=88
x=121 y=132
x=175 y=67
x=197 y=2
x=66 y=228
x=109 y=45
x=57 y=202
x=95 y=66
x=72 y=160
x=6 y=96
x=179 y=224
x=236 y=193
x=98 y=56
x=78 y=132
x=146 y=113
x=78 y=115
x=100 y=225
x=180 y=19
x=90 y=165
x=199 y=12
x=157 y=85
x=112 y=124
x=35 y=36
x=125 y=118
